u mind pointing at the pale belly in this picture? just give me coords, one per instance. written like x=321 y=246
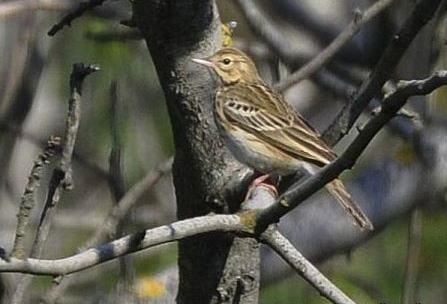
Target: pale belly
x=248 y=150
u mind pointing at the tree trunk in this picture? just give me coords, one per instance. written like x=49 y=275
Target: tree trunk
x=213 y=268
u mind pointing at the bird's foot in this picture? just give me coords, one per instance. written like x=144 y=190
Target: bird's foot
x=261 y=181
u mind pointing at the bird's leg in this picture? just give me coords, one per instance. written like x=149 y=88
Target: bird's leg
x=261 y=180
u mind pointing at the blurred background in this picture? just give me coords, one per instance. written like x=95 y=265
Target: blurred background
x=395 y=171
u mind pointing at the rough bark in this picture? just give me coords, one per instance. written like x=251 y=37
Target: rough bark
x=213 y=267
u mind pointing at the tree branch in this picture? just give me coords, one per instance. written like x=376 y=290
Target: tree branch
x=61 y=178
x=239 y=223
x=128 y=244
x=282 y=246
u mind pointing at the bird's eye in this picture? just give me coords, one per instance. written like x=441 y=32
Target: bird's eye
x=226 y=61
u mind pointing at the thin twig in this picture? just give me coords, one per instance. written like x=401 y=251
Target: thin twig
x=422 y=13
x=360 y=19
x=282 y=246
x=413 y=252
x=61 y=178
x=28 y=199
x=68 y=19
x=125 y=245
x=391 y=105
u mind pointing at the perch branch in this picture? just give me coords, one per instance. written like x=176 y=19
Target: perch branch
x=238 y=223
x=128 y=244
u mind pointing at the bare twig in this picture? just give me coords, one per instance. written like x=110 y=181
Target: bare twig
x=282 y=246
x=391 y=105
x=125 y=245
x=61 y=177
x=422 y=13
x=28 y=199
x=328 y=53
x=413 y=251
x=68 y=19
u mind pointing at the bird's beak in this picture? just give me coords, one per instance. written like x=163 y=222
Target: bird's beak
x=203 y=62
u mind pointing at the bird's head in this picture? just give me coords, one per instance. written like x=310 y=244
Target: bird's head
x=231 y=66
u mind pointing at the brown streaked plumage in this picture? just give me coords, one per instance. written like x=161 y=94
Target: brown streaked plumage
x=263 y=131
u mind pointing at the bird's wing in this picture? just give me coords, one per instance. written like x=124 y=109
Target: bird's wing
x=259 y=110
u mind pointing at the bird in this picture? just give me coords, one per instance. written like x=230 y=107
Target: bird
x=265 y=132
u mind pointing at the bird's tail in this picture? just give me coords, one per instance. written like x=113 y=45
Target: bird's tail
x=338 y=190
